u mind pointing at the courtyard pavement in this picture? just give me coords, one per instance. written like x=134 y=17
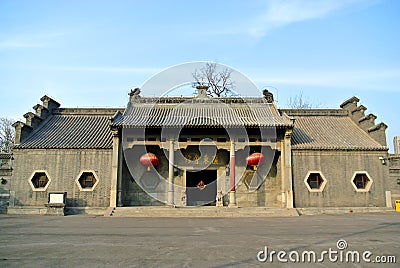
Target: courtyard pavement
x=89 y=241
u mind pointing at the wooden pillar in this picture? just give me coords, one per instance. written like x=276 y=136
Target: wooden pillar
x=232 y=190
x=114 y=168
x=283 y=176
x=119 y=176
x=170 y=193
x=288 y=169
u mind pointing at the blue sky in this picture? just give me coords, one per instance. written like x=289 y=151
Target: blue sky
x=90 y=53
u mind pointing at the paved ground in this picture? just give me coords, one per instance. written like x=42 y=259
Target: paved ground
x=83 y=241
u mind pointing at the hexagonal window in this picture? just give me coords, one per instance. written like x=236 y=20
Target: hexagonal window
x=315 y=181
x=361 y=181
x=39 y=180
x=87 y=180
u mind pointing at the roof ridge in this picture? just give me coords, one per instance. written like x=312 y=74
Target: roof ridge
x=314 y=112
x=340 y=148
x=87 y=111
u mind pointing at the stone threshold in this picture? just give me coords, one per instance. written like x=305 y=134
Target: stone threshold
x=168 y=211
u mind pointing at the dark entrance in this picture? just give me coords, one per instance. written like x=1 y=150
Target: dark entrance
x=201 y=187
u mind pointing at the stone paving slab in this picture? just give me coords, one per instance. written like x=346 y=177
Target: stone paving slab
x=90 y=241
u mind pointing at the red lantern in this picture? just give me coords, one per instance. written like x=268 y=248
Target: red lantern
x=255 y=159
x=149 y=160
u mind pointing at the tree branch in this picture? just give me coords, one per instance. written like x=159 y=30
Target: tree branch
x=219 y=82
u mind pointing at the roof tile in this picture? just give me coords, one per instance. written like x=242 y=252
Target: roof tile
x=202 y=113
x=71 y=131
x=331 y=133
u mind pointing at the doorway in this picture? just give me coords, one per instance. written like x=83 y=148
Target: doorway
x=201 y=187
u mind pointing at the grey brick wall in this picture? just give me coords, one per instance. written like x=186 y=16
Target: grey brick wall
x=394 y=175
x=338 y=167
x=63 y=167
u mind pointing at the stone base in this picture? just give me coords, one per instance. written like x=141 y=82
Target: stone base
x=93 y=211
x=26 y=210
x=55 y=209
x=341 y=210
x=43 y=210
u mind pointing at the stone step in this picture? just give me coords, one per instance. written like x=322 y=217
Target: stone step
x=201 y=212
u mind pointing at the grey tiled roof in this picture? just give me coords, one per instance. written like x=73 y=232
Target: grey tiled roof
x=177 y=112
x=73 y=130
x=330 y=132
x=323 y=129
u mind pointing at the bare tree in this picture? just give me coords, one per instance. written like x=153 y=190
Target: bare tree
x=6 y=134
x=219 y=82
x=300 y=102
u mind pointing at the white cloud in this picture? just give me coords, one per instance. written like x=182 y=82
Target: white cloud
x=280 y=13
x=12 y=44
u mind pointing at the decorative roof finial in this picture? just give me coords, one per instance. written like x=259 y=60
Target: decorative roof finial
x=202 y=91
x=134 y=94
x=268 y=96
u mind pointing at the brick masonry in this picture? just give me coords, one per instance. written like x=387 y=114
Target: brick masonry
x=338 y=168
x=393 y=182
x=63 y=167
